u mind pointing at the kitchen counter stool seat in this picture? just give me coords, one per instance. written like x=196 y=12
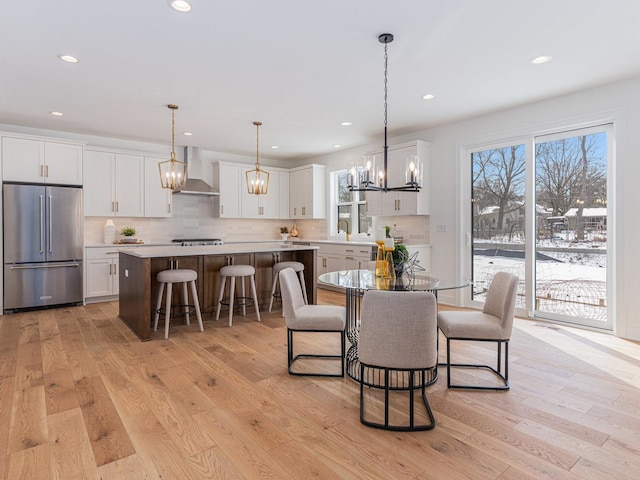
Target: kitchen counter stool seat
x=233 y=271
x=298 y=268
x=168 y=278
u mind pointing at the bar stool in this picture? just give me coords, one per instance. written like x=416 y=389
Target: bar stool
x=169 y=277
x=298 y=268
x=233 y=271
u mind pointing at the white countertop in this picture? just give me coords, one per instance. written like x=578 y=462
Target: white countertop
x=357 y=242
x=227 y=249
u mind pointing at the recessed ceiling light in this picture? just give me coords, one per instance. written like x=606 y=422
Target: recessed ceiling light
x=68 y=58
x=541 y=59
x=274 y=146
x=428 y=96
x=346 y=124
x=188 y=134
x=337 y=146
x=180 y=5
x=57 y=114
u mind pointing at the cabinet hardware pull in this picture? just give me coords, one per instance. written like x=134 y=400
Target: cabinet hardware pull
x=46 y=171
x=42 y=170
x=221 y=209
x=117 y=206
x=115 y=269
x=348 y=250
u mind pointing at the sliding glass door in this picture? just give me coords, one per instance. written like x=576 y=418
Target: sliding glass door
x=571 y=227
x=539 y=210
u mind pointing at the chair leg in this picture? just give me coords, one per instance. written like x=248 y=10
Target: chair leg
x=304 y=287
x=185 y=296
x=220 y=297
x=158 y=305
x=274 y=285
x=194 y=294
x=167 y=313
x=255 y=296
x=291 y=359
x=497 y=371
x=412 y=427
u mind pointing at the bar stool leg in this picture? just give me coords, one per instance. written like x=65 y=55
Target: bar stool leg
x=220 y=297
x=194 y=293
x=232 y=289
x=158 y=305
x=274 y=284
x=167 y=314
x=244 y=305
x=304 y=287
x=186 y=303
x=255 y=296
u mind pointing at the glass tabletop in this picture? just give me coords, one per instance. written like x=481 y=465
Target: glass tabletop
x=367 y=280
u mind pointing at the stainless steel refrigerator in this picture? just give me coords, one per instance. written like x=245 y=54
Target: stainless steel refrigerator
x=43 y=244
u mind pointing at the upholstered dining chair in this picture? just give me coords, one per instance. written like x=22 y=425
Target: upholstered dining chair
x=493 y=324
x=300 y=317
x=398 y=351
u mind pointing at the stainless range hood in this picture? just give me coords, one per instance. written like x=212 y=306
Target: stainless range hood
x=194 y=186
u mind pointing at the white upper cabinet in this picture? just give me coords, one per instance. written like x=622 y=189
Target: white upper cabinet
x=38 y=161
x=308 y=192
x=226 y=181
x=401 y=203
x=157 y=200
x=114 y=184
x=265 y=206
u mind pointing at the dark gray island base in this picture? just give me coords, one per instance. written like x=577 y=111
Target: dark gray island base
x=139 y=267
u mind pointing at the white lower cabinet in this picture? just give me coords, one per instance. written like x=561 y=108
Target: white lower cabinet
x=334 y=257
x=101 y=278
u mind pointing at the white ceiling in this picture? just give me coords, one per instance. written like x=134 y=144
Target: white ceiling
x=300 y=66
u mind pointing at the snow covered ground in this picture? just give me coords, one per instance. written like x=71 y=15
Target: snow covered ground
x=574 y=285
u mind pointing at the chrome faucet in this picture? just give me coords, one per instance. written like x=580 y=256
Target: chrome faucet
x=347 y=229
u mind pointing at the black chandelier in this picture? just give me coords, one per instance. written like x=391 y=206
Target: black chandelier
x=366 y=175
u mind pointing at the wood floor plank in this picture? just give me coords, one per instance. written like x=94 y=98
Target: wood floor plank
x=30 y=464
x=70 y=451
x=107 y=435
x=28 y=419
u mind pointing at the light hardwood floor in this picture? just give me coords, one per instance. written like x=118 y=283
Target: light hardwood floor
x=82 y=398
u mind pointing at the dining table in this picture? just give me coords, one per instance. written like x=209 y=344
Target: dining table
x=355 y=284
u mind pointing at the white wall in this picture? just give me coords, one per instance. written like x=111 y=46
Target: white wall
x=619 y=102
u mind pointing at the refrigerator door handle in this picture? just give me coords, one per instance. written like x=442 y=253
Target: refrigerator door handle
x=54 y=265
x=50 y=223
x=41 y=224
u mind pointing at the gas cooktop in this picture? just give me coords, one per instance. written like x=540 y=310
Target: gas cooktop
x=189 y=242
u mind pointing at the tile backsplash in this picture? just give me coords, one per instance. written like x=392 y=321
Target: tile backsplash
x=193 y=218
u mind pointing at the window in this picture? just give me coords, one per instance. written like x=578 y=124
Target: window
x=349 y=206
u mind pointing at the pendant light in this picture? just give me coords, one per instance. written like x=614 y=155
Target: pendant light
x=173 y=173
x=367 y=176
x=257 y=179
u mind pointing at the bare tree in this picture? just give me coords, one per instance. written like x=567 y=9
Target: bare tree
x=499 y=179
x=571 y=172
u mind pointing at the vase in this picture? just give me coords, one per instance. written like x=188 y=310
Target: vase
x=284 y=236
x=109 y=232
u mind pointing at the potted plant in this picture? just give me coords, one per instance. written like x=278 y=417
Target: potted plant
x=128 y=233
x=284 y=232
x=400 y=257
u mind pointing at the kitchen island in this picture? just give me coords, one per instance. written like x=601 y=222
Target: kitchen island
x=139 y=267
